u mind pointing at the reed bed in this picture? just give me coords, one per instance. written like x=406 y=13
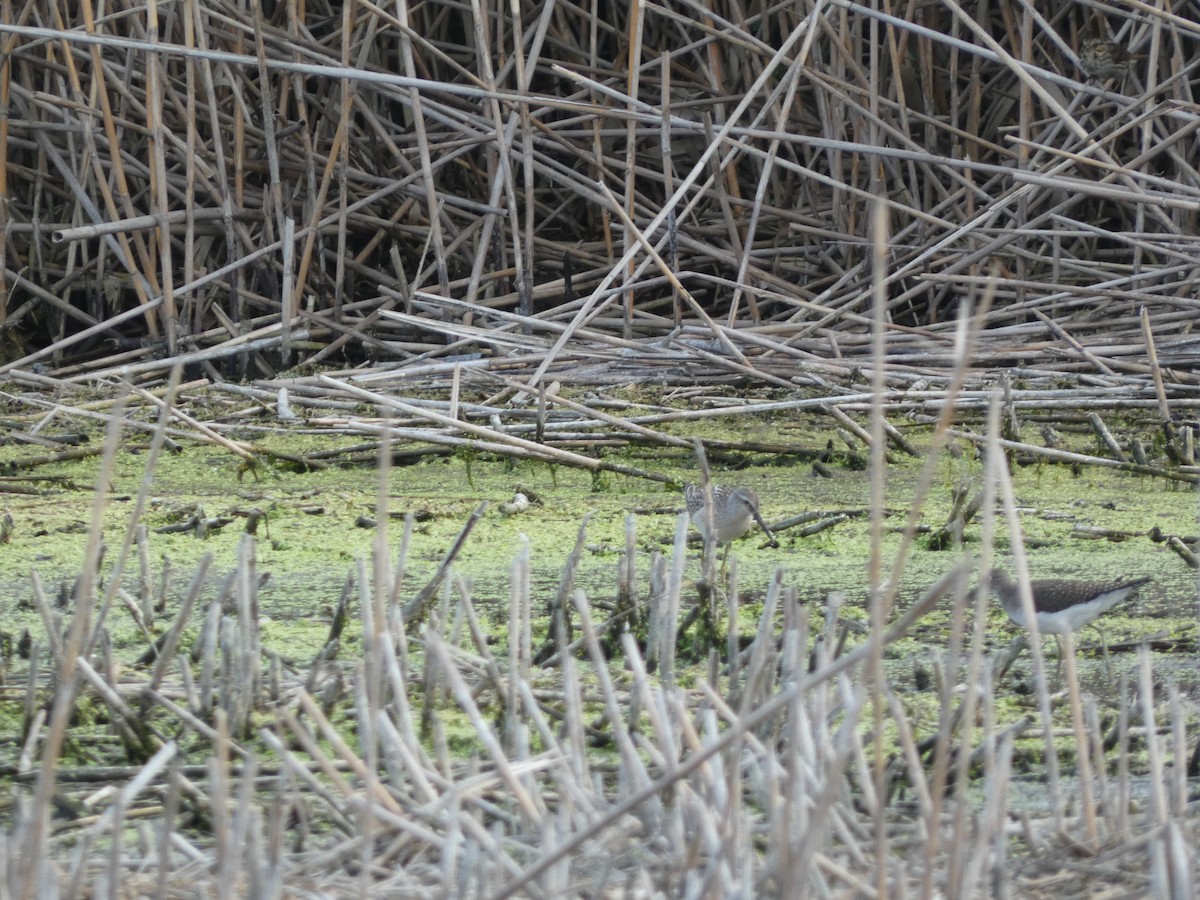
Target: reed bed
x=603 y=764
x=430 y=226
x=445 y=201
x=591 y=194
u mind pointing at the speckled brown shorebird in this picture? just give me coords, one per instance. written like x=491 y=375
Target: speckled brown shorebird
x=734 y=510
x=1102 y=59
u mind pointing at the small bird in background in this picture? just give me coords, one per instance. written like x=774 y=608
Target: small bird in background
x=734 y=510
x=1101 y=59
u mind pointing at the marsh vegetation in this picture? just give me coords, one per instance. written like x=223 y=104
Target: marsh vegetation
x=352 y=363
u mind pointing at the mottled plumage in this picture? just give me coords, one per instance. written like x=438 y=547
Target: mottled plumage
x=1104 y=59
x=734 y=511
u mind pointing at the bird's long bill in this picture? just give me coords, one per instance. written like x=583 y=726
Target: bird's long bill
x=763 y=525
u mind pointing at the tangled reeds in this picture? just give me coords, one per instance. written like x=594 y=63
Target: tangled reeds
x=469 y=208
x=596 y=191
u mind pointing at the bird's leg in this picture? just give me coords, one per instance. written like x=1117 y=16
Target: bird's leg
x=710 y=531
x=1108 y=670
x=1010 y=654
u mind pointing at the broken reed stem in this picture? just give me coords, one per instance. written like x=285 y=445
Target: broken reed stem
x=1083 y=757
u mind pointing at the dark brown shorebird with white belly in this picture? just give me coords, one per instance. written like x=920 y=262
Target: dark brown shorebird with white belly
x=1061 y=605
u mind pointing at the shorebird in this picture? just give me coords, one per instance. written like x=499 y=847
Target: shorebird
x=1061 y=606
x=734 y=510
